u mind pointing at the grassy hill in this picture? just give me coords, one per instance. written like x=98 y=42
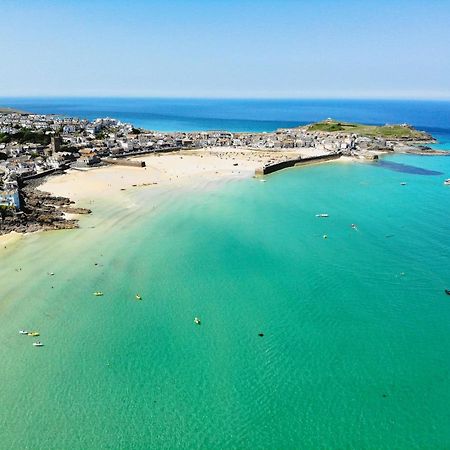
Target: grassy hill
x=385 y=131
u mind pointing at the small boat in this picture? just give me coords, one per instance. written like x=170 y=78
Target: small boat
x=33 y=333
x=322 y=215
x=447 y=291
x=138 y=297
x=325 y=236
x=51 y=274
x=38 y=344
x=197 y=321
x=403 y=183
x=447 y=182
x=24 y=332
x=354 y=226
x=98 y=293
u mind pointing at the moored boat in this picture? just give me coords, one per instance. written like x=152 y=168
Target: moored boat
x=322 y=215
x=24 y=332
x=197 y=321
x=447 y=182
x=38 y=344
x=138 y=297
x=98 y=294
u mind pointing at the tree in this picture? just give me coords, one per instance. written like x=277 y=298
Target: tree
x=26 y=136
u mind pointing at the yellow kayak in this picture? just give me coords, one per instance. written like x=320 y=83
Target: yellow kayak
x=33 y=333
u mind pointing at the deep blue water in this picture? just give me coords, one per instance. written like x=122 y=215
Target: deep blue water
x=245 y=115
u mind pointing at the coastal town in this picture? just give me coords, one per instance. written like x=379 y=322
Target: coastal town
x=34 y=146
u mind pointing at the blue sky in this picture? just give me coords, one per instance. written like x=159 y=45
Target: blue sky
x=229 y=48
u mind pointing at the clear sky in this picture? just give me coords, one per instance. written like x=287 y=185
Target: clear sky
x=228 y=48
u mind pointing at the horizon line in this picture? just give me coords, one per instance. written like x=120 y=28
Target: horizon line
x=281 y=98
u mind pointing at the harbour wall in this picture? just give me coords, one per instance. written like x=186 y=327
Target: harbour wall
x=154 y=150
x=42 y=174
x=270 y=168
x=123 y=162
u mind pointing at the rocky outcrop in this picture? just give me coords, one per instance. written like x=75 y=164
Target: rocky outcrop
x=418 y=150
x=40 y=211
x=73 y=210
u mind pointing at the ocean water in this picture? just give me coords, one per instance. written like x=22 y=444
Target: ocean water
x=356 y=348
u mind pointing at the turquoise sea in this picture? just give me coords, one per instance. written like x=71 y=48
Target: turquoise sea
x=355 y=351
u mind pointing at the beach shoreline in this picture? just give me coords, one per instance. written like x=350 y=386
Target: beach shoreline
x=181 y=170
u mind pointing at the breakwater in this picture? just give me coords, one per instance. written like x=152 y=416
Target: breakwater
x=154 y=150
x=42 y=174
x=123 y=162
x=270 y=168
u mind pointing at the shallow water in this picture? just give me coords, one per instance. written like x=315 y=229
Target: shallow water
x=355 y=352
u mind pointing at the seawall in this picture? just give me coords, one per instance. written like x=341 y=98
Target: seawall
x=42 y=174
x=154 y=150
x=270 y=168
x=123 y=162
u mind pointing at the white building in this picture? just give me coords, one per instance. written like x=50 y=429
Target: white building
x=10 y=198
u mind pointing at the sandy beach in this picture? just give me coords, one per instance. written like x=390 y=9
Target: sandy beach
x=180 y=169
